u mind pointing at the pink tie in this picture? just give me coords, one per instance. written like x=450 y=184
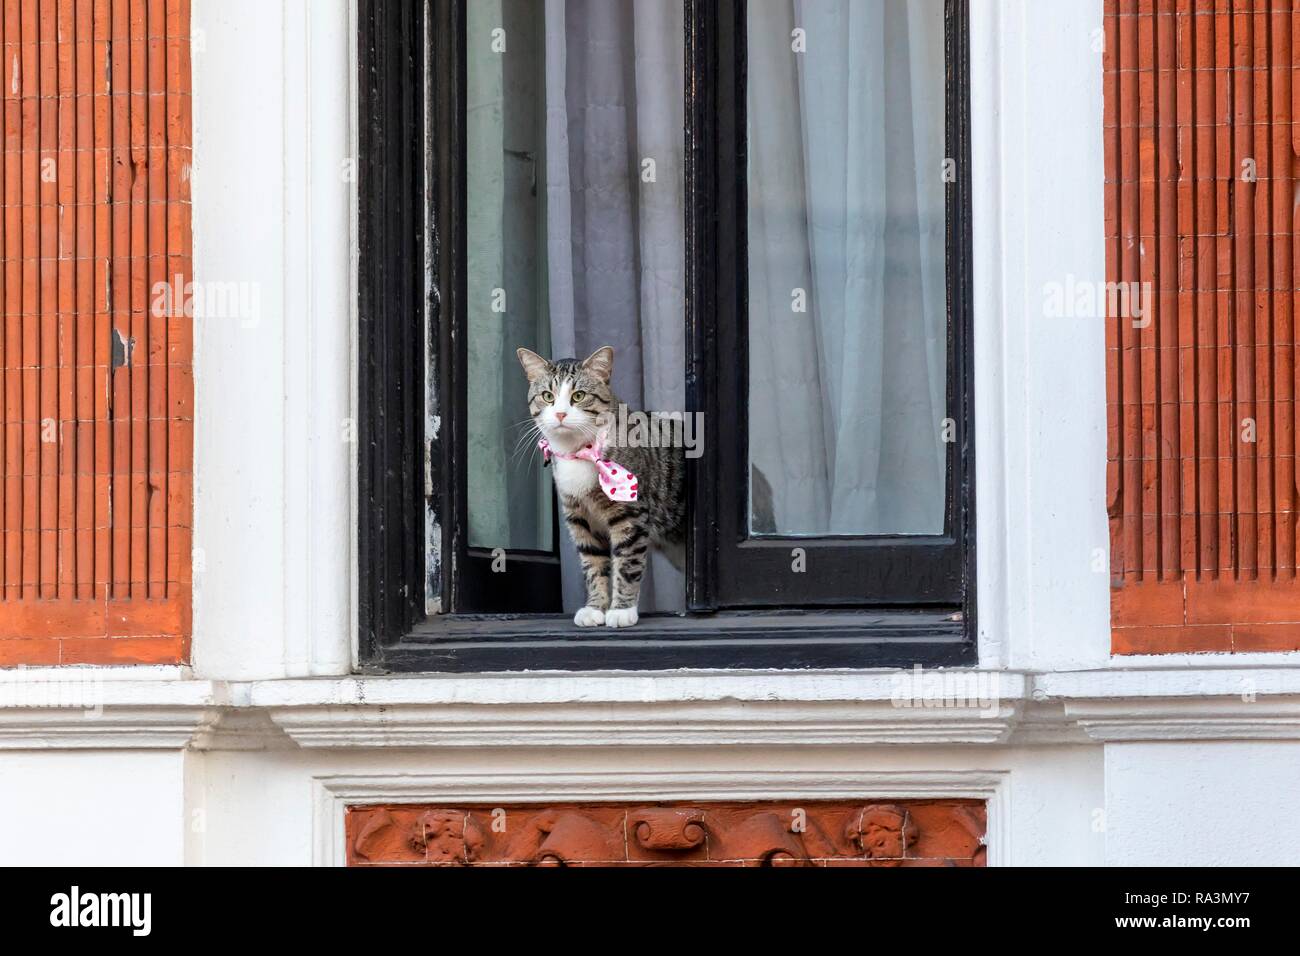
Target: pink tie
x=617 y=482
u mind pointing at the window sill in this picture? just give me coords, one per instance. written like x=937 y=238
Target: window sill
x=822 y=708
x=789 y=640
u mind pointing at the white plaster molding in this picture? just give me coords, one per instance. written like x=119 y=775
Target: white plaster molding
x=552 y=687
x=813 y=724
x=333 y=793
x=1040 y=449
x=84 y=711
x=1171 y=703
x=103 y=708
x=239 y=198
x=764 y=708
x=755 y=708
x=1193 y=718
x=1037 y=219
x=117 y=728
x=994 y=353
x=319 y=303
x=240 y=729
x=1045 y=724
x=773 y=709
x=1205 y=661
x=1169 y=682
x=126 y=673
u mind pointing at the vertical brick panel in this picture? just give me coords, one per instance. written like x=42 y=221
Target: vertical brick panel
x=1201 y=147
x=95 y=367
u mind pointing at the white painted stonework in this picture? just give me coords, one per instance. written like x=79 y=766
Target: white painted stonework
x=249 y=756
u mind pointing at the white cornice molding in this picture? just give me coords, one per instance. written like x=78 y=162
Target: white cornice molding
x=116 y=728
x=823 y=708
x=1192 y=718
x=784 y=723
x=1222 y=680
x=838 y=708
x=97 y=708
x=81 y=708
x=1178 y=703
x=625 y=687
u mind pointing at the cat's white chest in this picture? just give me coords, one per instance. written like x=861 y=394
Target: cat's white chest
x=574 y=477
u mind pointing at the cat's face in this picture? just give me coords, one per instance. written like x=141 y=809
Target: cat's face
x=569 y=401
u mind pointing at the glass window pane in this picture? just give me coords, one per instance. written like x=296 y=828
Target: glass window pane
x=510 y=497
x=847 y=292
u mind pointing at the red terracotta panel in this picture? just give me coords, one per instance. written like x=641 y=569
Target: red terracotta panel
x=1265 y=637
x=1174 y=639
x=787 y=833
x=1136 y=603
x=1201 y=404
x=95 y=496
x=158 y=649
x=29 y=652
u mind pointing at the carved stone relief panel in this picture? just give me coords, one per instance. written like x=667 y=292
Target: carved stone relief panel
x=787 y=833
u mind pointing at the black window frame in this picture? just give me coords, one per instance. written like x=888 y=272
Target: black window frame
x=411 y=190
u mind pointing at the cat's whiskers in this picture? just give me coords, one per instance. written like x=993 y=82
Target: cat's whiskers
x=527 y=440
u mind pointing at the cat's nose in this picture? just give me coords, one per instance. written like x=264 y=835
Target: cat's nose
x=559 y=416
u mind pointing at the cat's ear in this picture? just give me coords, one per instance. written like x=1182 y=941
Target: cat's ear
x=601 y=363
x=534 y=365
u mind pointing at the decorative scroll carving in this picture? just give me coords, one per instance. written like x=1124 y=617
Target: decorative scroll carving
x=911 y=833
x=668 y=829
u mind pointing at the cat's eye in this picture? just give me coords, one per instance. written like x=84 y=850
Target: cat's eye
x=577 y=397
x=548 y=398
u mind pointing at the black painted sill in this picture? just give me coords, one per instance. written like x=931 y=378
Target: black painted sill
x=795 y=640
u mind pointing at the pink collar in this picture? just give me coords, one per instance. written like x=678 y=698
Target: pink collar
x=617 y=482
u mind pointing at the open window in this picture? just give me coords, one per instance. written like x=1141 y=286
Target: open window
x=764 y=208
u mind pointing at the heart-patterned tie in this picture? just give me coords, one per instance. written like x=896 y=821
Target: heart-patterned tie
x=617 y=482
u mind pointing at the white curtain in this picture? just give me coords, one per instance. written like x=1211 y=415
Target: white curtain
x=615 y=219
x=847 y=301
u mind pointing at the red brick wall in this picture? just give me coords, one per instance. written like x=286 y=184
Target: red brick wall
x=1201 y=147
x=95 y=501
x=786 y=833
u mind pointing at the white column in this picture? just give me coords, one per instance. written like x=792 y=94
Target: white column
x=1040 y=399
x=273 y=199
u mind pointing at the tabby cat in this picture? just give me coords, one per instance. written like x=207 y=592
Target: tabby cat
x=618 y=500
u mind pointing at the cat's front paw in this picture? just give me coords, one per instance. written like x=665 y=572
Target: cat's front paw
x=620 y=617
x=589 y=617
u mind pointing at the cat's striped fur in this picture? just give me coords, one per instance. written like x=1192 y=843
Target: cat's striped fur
x=613 y=538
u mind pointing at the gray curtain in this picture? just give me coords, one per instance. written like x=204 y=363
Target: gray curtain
x=615 y=241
